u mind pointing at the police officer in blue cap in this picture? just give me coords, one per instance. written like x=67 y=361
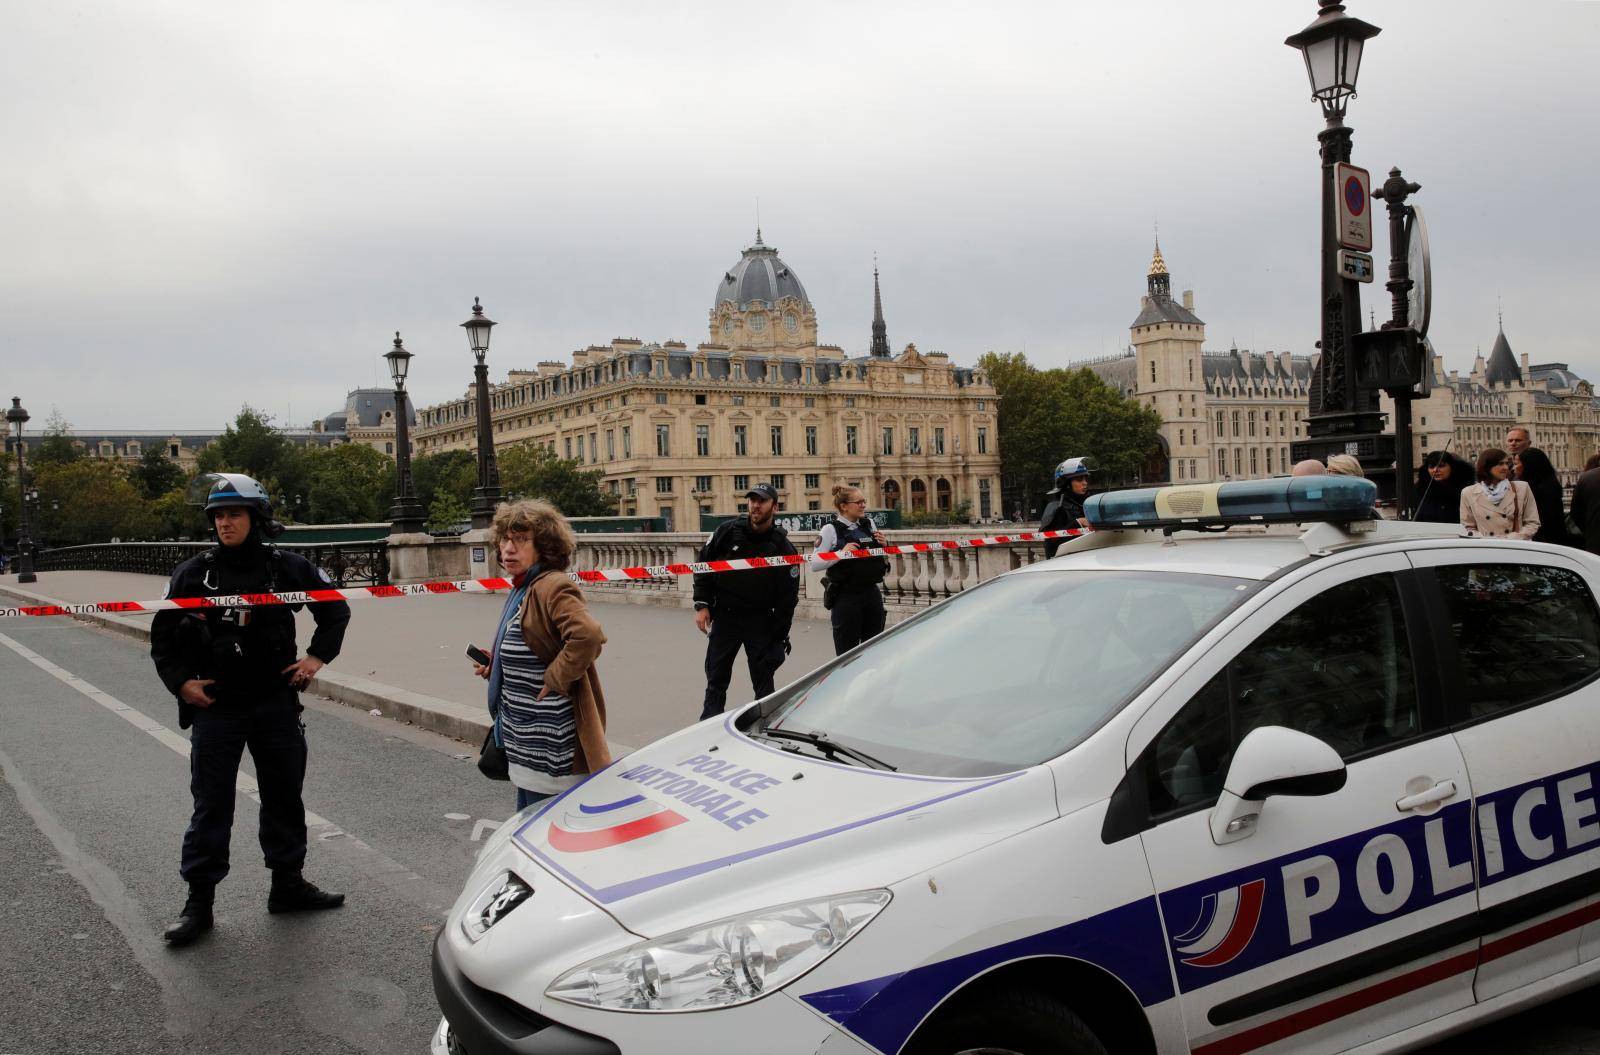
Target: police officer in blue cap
x=1065 y=510
x=237 y=676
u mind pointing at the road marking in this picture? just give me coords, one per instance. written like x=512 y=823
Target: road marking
x=484 y=826
x=402 y=880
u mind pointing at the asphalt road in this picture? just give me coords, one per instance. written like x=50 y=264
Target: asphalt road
x=93 y=802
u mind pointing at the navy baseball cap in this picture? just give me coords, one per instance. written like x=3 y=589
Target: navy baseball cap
x=766 y=491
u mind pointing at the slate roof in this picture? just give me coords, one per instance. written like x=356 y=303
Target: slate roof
x=1165 y=309
x=759 y=276
x=364 y=408
x=1502 y=368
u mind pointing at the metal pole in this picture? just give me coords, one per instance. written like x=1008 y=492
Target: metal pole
x=486 y=496
x=24 y=543
x=1394 y=192
x=406 y=515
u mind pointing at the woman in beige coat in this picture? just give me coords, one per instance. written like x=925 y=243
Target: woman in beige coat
x=544 y=693
x=1498 y=506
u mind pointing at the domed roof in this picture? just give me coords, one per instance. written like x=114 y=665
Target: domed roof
x=758 y=276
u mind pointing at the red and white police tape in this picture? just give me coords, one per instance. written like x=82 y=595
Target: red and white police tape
x=653 y=571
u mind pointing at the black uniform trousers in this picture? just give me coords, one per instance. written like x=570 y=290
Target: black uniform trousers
x=763 y=652
x=857 y=616
x=277 y=741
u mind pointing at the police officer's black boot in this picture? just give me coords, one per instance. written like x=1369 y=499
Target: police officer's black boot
x=194 y=920
x=292 y=893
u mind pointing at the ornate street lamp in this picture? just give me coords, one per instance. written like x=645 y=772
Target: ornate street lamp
x=405 y=516
x=1344 y=417
x=16 y=417
x=487 y=494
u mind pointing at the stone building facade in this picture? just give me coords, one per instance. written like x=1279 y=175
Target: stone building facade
x=367 y=417
x=129 y=445
x=1224 y=415
x=1467 y=414
x=680 y=431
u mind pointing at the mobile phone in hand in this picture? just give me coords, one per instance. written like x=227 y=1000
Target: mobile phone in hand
x=479 y=656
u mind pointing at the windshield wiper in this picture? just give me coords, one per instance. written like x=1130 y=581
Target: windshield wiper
x=828 y=747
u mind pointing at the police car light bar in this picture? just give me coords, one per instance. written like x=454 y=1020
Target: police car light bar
x=1281 y=500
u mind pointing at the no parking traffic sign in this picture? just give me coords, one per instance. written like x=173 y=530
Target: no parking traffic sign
x=1352 y=190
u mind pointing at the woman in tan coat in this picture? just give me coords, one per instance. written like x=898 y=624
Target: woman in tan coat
x=544 y=693
x=1498 y=506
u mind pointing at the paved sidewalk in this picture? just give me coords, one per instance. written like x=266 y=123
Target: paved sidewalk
x=405 y=655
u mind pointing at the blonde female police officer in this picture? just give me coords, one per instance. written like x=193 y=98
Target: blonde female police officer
x=237 y=680
x=851 y=589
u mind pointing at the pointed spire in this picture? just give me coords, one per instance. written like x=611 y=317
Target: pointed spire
x=880 y=329
x=1158 y=266
x=1159 y=283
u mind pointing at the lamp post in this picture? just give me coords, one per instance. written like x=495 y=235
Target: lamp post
x=487 y=494
x=405 y=516
x=16 y=417
x=1344 y=417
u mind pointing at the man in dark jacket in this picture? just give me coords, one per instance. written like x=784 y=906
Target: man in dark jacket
x=1586 y=508
x=752 y=609
x=237 y=679
x=1065 y=510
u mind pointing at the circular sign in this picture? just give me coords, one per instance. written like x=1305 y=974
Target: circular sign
x=1355 y=197
x=1419 y=265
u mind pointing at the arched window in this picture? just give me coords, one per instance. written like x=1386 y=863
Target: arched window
x=891 y=495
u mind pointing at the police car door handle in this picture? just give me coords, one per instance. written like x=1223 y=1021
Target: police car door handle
x=1445 y=789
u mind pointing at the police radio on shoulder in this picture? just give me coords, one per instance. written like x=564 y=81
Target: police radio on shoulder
x=1288 y=499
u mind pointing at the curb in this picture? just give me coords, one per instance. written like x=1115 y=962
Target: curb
x=456 y=720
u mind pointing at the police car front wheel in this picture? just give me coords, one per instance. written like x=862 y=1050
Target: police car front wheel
x=1009 y=1022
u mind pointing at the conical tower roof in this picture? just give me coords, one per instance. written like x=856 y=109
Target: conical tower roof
x=1502 y=368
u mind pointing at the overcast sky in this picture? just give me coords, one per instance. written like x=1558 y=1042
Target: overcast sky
x=207 y=204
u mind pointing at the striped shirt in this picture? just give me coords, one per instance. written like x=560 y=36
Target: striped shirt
x=540 y=736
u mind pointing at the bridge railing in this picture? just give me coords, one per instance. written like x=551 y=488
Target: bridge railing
x=347 y=563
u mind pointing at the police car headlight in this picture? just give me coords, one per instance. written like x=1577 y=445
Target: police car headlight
x=731 y=961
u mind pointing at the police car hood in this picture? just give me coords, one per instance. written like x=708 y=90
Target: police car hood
x=708 y=823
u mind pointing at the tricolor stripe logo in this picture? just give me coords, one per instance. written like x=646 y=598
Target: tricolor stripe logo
x=1226 y=923
x=595 y=827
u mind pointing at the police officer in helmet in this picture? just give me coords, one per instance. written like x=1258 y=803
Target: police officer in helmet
x=237 y=676
x=1065 y=510
x=751 y=609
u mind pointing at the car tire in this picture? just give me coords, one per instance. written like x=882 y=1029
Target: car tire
x=1008 y=1022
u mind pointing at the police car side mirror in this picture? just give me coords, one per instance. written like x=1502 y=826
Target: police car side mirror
x=1272 y=760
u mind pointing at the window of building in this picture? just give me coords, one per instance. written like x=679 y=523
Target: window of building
x=811 y=401
x=850 y=439
x=774 y=401
x=661 y=368
x=1180 y=470
x=741 y=483
x=699 y=399
x=813 y=481
x=1191 y=369
x=702 y=483
x=985 y=500
x=1253 y=470
x=1222 y=463
x=738 y=401
x=663 y=440
x=172 y=450
x=1252 y=422
x=699 y=368
x=611 y=444
x=813 y=505
x=811 y=439
x=888 y=439
x=1269 y=461
x=1238 y=462
x=913 y=440
x=1235 y=418
x=663 y=485
x=661 y=397
x=983 y=404
x=1349 y=684
x=983 y=441
x=776 y=433
x=627 y=442
x=741 y=439
x=702 y=440
x=849 y=402
x=580 y=447
x=1523 y=633
x=938 y=441
x=779 y=481
x=1152 y=371
x=568 y=447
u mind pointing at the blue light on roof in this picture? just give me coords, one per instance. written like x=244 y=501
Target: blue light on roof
x=1285 y=499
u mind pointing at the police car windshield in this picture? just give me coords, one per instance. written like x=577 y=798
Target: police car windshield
x=1007 y=675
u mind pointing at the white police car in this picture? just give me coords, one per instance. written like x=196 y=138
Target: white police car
x=1168 y=792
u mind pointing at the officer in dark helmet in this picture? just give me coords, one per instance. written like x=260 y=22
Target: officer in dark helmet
x=237 y=675
x=1065 y=510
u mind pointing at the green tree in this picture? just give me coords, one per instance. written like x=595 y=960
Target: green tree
x=449 y=472
x=175 y=518
x=1048 y=415
x=90 y=501
x=446 y=511
x=347 y=483
x=57 y=447
x=8 y=497
x=530 y=470
x=251 y=445
x=156 y=474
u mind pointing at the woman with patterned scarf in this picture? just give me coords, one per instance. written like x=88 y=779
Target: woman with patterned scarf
x=544 y=693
